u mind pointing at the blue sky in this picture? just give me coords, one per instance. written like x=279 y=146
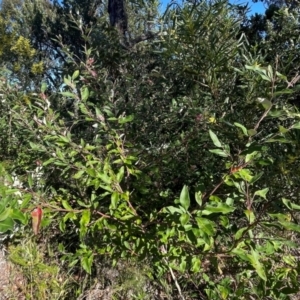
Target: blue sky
x=254 y=7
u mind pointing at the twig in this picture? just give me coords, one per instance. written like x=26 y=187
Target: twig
x=163 y=250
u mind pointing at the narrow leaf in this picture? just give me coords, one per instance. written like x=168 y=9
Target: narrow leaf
x=79 y=174
x=220 y=208
x=84 y=93
x=185 y=198
x=242 y=127
x=219 y=152
x=75 y=75
x=215 y=139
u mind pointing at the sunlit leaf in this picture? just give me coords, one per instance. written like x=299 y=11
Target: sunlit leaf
x=220 y=208
x=6 y=225
x=198 y=197
x=290 y=205
x=219 y=152
x=75 y=75
x=244 y=130
x=254 y=259
x=262 y=193
x=79 y=174
x=185 y=198
x=184 y=218
x=206 y=225
x=84 y=93
x=86 y=263
x=215 y=139
x=126 y=119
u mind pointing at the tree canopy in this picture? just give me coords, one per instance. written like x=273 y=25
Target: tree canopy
x=150 y=154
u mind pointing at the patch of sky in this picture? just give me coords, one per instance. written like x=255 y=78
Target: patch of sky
x=254 y=7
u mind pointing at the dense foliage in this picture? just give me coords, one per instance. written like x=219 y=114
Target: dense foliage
x=167 y=152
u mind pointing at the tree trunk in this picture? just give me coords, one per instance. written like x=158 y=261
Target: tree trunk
x=117 y=15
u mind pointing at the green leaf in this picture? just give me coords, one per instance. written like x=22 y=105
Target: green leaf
x=67 y=81
x=44 y=87
x=84 y=222
x=206 y=226
x=63 y=139
x=66 y=205
x=114 y=200
x=241 y=253
x=35 y=146
x=86 y=263
x=252 y=132
x=224 y=221
x=281 y=76
x=280 y=217
x=296 y=125
x=278 y=139
x=69 y=216
x=120 y=175
x=79 y=174
x=266 y=104
x=262 y=193
x=198 y=197
x=240 y=233
x=127 y=245
x=84 y=93
x=196 y=264
x=173 y=209
x=251 y=156
x=219 y=152
x=290 y=226
x=125 y=119
x=75 y=75
x=242 y=127
x=69 y=94
x=250 y=216
x=62 y=225
x=256 y=177
x=91 y=172
x=6 y=225
x=254 y=259
x=287 y=203
x=184 y=199
x=290 y=205
x=85 y=218
x=2 y=207
x=5 y=214
x=81 y=203
x=283 y=129
x=26 y=199
x=105 y=178
x=270 y=71
x=29 y=179
x=18 y=215
x=215 y=139
x=182 y=266
x=220 y=208
x=184 y=218
x=264 y=77
x=245 y=174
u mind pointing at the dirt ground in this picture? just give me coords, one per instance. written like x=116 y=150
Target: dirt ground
x=10 y=282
